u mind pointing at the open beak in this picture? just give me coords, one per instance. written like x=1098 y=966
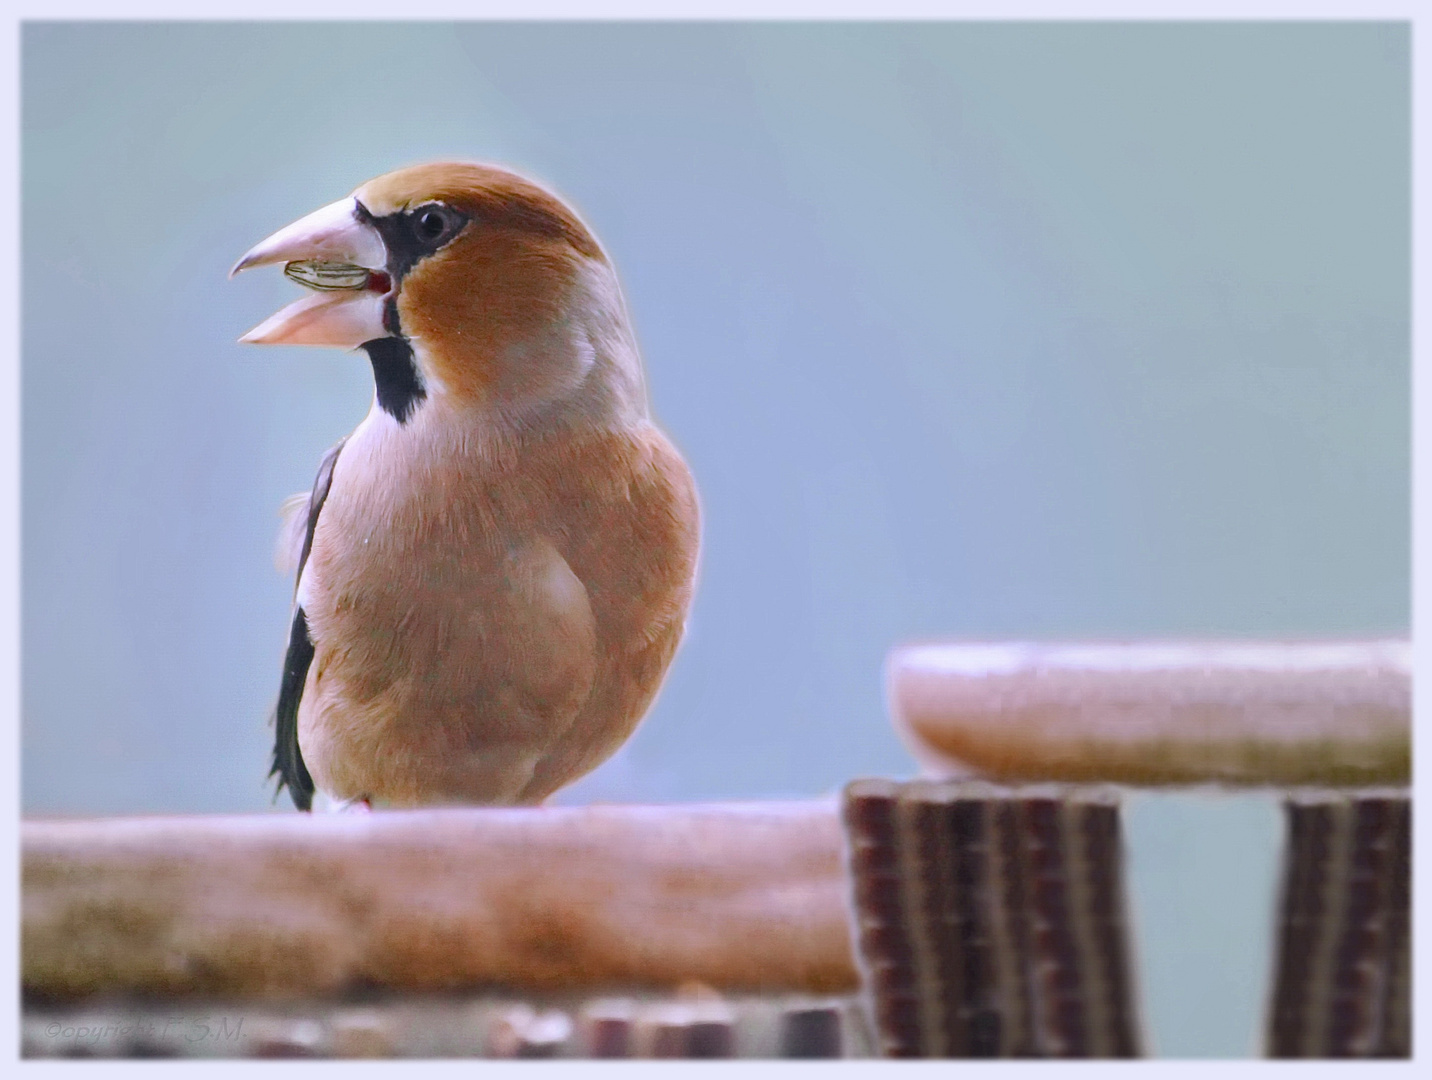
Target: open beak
x=341 y=258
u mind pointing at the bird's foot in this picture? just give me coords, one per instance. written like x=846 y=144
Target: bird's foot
x=361 y=805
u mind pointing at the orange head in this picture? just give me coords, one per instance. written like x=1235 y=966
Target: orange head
x=465 y=284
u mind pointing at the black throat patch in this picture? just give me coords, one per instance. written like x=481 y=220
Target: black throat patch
x=396 y=379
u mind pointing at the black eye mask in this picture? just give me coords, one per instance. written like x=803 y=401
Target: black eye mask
x=411 y=235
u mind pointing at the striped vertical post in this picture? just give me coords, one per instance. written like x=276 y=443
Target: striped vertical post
x=990 y=920
x=1341 y=980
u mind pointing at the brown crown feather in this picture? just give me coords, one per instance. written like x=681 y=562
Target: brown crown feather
x=496 y=197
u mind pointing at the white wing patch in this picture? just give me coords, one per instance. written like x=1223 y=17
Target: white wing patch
x=288 y=548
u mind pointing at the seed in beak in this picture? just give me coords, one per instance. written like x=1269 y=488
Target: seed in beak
x=330 y=277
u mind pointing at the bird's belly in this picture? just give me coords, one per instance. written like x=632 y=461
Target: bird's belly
x=449 y=654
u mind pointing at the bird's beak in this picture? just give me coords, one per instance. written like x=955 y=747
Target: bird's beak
x=336 y=253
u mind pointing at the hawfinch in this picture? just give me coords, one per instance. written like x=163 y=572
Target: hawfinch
x=494 y=569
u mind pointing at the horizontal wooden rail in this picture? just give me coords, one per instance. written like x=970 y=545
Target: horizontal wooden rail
x=741 y=897
x=1332 y=713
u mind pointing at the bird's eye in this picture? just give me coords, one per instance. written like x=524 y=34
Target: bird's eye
x=431 y=223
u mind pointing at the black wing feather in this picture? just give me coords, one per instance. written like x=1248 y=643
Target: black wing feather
x=288 y=763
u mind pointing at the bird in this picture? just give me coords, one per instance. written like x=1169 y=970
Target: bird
x=493 y=571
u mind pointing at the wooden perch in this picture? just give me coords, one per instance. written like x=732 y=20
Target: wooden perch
x=744 y=897
x=1316 y=713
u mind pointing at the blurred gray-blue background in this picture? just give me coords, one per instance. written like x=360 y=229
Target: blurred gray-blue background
x=980 y=330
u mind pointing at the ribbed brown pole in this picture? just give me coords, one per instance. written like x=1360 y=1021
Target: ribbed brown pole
x=883 y=937
x=990 y=920
x=1341 y=984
